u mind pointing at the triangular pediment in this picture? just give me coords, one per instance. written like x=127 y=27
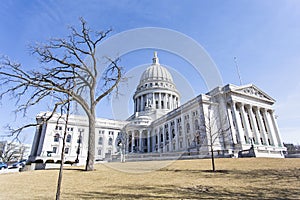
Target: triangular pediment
x=253 y=91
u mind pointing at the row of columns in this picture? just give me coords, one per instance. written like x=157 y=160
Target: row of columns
x=156 y=101
x=136 y=141
x=250 y=123
x=161 y=139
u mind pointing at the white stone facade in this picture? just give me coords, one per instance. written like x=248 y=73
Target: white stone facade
x=47 y=143
x=230 y=118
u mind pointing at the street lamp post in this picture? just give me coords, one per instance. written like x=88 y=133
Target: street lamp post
x=78 y=148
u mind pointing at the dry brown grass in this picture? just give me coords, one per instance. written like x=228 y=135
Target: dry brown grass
x=254 y=178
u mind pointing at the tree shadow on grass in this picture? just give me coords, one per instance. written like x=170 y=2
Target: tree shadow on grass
x=196 y=171
x=66 y=169
x=278 y=174
x=191 y=192
x=255 y=184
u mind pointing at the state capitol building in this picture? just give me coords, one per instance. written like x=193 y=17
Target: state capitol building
x=235 y=120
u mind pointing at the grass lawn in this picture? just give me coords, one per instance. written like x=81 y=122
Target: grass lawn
x=247 y=178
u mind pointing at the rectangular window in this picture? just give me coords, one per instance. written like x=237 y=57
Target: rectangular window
x=54 y=149
x=66 y=150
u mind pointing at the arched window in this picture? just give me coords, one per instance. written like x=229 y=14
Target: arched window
x=180 y=130
x=99 y=152
x=110 y=140
x=198 y=139
x=69 y=137
x=197 y=127
x=188 y=128
x=56 y=137
x=100 y=141
x=167 y=135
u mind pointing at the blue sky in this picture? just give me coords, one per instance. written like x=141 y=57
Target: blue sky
x=263 y=35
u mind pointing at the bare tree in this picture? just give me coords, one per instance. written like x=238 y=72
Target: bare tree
x=10 y=151
x=73 y=58
x=66 y=108
x=215 y=127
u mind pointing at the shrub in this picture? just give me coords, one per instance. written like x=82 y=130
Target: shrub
x=38 y=161
x=69 y=162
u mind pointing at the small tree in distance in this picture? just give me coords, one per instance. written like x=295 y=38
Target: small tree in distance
x=68 y=61
x=215 y=126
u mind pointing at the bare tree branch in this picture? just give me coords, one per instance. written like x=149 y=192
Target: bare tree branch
x=71 y=70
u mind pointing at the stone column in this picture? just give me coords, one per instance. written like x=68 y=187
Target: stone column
x=132 y=140
x=165 y=100
x=170 y=137
x=174 y=101
x=254 y=126
x=184 y=134
x=127 y=143
x=36 y=141
x=176 y=128
x=169 y=102
x=262 y=127
x=238 y=122
x=246 y=122
x=42 y=138
x=140 y=140
x=159 y=101
x=164 y=139
x=148 y=141
x=272 y=128
x=140 y=103
x=269 y=127
x=134 y=103
x=232 y=127
x=158 y=140
x=153 y=101
x=275 y=125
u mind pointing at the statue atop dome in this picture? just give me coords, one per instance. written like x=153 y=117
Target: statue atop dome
x=155 y=59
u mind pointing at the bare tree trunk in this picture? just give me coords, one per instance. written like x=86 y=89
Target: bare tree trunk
x=91 y=146
x=212 y=158
x=62 y=155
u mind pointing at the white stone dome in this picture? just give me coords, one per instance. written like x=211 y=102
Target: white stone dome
x=156 y=72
